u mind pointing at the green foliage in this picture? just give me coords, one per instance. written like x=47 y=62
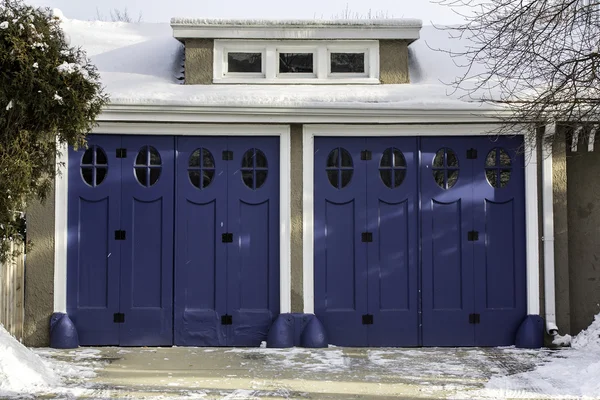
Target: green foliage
x=50 y=94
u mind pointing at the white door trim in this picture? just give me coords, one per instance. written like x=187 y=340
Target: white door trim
x=283 y=131
x=310 y=131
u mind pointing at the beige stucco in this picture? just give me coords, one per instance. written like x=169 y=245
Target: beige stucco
x=561 y=234
x=199 y=61
x=393 y=61
x=296 y=216
x=583 y=213
x=39 y=273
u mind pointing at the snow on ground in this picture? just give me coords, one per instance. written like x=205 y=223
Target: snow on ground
x=28 y=372
x=573 y=373
x=140 y=64
x=20 y=369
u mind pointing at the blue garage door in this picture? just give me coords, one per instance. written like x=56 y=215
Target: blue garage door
x=227 y=240
x=148 y=214
x=419 y=241
x=366 y=241
x=120 y=240
x=473 y=240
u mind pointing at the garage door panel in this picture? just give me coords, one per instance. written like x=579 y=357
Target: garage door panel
x=253 y=256
x=341 y=270
x=447 y=254
x=393 y=255
x=395 y=275
x=93 y=256
x=499 y=265
x=95 y=265
x=340 y=255
x=148 y=244
x=447 y=238
x=147 y=253
x=200 y=253
x=500 y=270
x=198 y=243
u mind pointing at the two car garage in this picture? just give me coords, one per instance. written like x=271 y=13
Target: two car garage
x=176 y=240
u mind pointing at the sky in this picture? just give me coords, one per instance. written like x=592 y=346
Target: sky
x=163 y=10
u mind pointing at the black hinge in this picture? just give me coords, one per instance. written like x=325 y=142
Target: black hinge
x=474 y=318
x=365 y=155
x=367 y=237
x=227 y=238
x=473 y=236
x=226 y=319
x=121 y=153
x=119 y=235
x=367 y=319
x=228 y=155
x=471 y=154
x=119 y=318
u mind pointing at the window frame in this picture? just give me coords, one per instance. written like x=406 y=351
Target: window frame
x=320 y=49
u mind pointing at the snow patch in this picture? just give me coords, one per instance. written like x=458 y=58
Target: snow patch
x=570 y=373
x=22 y=371
x=383 y=22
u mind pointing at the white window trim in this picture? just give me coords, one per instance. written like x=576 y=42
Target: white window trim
x=282 y=131
x=311 y=131
x=220 y=62
x=321 y=50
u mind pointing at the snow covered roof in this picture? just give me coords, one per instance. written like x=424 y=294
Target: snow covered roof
x=407 y=29
x=140 y=64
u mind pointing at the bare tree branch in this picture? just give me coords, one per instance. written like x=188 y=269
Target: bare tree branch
x=539 y=59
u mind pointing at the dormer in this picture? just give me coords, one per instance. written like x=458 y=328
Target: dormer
x=296 y=51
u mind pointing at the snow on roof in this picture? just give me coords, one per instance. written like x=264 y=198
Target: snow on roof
x=387 y=22
x=140 y=64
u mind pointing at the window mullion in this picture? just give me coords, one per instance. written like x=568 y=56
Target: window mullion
x=322 y=62
x=270 y=63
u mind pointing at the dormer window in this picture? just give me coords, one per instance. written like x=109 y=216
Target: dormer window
x=239 y=62
x=296 y=61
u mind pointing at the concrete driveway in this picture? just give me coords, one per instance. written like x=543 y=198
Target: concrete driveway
x=259 y=373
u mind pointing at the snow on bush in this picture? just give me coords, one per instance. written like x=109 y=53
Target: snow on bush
x=22 y=371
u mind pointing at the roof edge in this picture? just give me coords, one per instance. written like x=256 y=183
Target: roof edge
x=407 y=29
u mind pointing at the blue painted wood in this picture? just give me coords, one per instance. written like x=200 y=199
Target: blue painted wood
x=93 y=256
x=340 y=257
x=392 y=217
x=447 y=256
x=253 y=257
x=500 y=269
x=200 y=255
x=147 y=251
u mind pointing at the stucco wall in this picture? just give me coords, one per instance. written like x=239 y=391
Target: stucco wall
x=39 y=273
x=199 y=61
x=561 y=235
x=583 y=212
x=296 y=212
x=393 y=61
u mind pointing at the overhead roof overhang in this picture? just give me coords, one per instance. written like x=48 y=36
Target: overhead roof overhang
x=405 y=29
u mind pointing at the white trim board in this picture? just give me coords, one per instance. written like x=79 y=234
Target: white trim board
x=283 y=131
x=310 y=131
x=327 y=114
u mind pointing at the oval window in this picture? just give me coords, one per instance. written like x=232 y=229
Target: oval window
x=148 y=166
x=392 y=168
x=201 y=168
x=254 y=168
x=340 y=168
x=498 y=167
x=94 y=166
x=445 y=168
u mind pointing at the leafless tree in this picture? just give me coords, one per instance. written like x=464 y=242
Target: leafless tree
x=116 y=15
x=538 y=59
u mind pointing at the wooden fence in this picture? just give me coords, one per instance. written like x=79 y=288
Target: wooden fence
x=12 y=294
